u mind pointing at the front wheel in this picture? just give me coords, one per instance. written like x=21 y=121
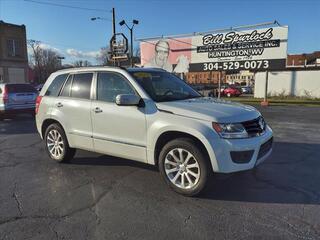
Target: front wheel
x=57 y=145
x=184 y=167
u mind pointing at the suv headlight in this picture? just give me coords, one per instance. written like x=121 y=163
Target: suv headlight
x=230 y=130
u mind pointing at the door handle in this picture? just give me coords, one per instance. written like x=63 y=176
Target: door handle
x=97 y=110
x=59 y=104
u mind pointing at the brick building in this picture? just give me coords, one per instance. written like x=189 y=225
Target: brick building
x=304 y=59
x=205 y=77
x=241 y=77
x=13 y=53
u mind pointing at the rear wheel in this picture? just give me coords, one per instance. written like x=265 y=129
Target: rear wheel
x=57 y=145
x=184 y=167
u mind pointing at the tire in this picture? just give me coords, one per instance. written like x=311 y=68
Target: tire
x=186 y=183
x=60 y=151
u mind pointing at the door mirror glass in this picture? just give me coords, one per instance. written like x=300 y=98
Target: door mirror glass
x=127 y=100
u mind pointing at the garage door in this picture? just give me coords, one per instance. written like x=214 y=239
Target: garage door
x=16 y=75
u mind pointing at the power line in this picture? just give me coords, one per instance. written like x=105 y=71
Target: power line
x=67 y=6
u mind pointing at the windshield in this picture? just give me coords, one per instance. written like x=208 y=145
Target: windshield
x=164 y=86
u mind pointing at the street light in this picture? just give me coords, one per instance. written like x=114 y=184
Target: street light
x=134 y=22
x=99 y=18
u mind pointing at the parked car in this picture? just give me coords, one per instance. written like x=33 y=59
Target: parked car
x=17 y=98
x=39 y=87
x=151 y=116
x=231 y=92
x=246 y=89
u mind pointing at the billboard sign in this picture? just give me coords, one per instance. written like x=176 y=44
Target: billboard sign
x=235 y=50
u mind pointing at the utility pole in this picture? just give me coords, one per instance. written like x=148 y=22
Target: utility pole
x=113 y=31
x=113 y=22
x=131 y=47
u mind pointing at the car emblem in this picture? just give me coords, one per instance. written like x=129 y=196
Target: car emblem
x=261 y=123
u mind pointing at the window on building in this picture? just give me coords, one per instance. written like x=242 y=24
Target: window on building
x=14 y=48
x=1 y=75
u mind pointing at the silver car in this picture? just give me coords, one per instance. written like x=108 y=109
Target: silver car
x=151 y=116
x=17 y=98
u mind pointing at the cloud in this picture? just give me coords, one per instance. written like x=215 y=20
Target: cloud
x=80 y=54
x=47 y=47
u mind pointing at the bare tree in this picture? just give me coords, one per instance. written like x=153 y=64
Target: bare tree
x=43 y=61
x=81 y=63
x=103 y=57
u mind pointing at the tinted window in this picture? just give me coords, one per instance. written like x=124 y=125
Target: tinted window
x=110 y=85
x=81 y=85
x=20 y=88
x=56 y=85
x=66 y=89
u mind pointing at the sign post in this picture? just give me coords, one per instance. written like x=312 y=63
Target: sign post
x=265 y=100
x=219 y=93
x=118 y=48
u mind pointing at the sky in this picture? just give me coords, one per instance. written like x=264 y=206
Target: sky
x=71 y=32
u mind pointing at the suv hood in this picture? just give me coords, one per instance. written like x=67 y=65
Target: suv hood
x=210 y=109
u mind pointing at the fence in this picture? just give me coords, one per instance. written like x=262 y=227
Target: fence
x=300 y=83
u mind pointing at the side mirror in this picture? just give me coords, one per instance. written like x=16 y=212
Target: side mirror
x=127 y=100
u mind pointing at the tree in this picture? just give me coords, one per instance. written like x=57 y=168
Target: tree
x=43 y=61
x=103 y=57
x=81 y=63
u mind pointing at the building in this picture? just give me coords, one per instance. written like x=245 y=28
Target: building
x=13 y=53
x=304 y=60
x=242 y=77
x=205 y=77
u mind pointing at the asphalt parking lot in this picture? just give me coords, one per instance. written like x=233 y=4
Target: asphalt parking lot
x=101 y=197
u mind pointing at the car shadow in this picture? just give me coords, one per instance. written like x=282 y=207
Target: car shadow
x=106 y=160
x=290 y=175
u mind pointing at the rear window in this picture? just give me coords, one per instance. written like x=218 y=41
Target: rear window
x=81 y=85
x=56 y=85
x=20 y=88
x=66 y=89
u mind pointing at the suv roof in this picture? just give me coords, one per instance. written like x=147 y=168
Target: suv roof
x=99 y=68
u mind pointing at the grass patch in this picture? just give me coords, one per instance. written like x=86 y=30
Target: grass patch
x=277 y=101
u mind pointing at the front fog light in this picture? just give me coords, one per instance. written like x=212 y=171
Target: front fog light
x=230 y=130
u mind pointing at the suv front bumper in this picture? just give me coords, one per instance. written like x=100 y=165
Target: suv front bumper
x=260 y=148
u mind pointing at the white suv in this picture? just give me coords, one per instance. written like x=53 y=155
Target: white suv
x=151 y=116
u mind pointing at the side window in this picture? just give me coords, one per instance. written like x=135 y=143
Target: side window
x=66 y=89
x=109 y=85
x=81 y=85
x=55 y=86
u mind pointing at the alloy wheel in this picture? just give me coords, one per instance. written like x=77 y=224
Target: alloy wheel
x=182 y=168
x=55 y=144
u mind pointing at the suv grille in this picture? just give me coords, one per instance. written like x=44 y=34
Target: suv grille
x=255 y=127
